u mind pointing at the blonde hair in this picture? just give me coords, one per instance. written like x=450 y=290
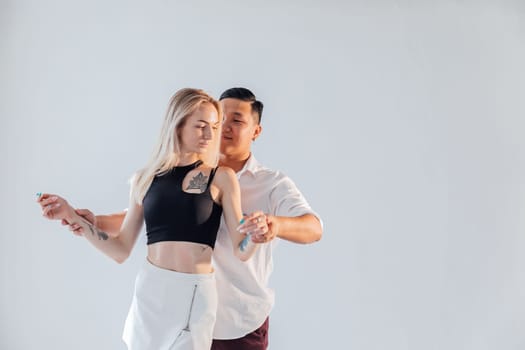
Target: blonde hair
x=166 y=153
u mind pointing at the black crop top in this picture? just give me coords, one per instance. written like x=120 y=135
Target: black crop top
x=174 y=215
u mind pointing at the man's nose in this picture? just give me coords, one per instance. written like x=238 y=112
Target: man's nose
x=226 y=125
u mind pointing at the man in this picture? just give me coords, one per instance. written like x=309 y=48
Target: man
x=245 y=300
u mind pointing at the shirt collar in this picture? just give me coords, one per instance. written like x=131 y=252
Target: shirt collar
x=251 y=166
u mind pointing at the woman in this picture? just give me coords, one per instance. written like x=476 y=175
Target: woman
x=180 y=194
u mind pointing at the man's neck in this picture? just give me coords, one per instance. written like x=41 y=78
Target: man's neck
x=235 y=162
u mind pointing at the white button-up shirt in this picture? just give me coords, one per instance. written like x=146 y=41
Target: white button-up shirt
x=245 y=300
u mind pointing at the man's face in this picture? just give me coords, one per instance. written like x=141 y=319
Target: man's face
x=239 y=129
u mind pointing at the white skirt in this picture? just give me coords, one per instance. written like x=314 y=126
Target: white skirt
x=171 y=310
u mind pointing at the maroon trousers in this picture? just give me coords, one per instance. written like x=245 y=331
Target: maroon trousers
x=256 y=340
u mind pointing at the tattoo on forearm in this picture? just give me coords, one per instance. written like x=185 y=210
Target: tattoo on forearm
x=102 y=236
x=91 y=229
x=199 y=182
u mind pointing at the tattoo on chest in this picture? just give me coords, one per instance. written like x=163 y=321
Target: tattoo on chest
x=199 y=182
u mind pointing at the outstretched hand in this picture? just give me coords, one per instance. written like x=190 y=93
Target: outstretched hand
x=55 y=207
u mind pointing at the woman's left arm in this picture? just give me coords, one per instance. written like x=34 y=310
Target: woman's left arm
x=230 y=198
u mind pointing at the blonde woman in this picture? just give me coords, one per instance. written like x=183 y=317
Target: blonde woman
x=180 y=195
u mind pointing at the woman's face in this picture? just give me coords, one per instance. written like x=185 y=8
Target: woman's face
x=200 y=130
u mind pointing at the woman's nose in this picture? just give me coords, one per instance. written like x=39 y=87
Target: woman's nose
x=208 y=133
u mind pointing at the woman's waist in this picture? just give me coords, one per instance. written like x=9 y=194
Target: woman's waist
x=185 y=257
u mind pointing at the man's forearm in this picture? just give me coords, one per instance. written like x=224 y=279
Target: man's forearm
x=110 y=223
x=301 y=229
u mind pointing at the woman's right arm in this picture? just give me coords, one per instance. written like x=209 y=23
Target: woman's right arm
x=117 y=247
x=110 y=223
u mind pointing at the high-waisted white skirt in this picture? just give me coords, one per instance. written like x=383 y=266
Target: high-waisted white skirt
x=171 y=310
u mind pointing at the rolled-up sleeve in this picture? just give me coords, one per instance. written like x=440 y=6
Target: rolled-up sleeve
x=287 y=200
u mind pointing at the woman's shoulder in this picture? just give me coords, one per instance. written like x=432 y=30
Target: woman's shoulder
x=224 y=171
x=224 y=175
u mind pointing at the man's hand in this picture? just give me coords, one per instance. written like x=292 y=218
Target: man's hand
x=273 y=228
x=262 y=228
x=270 y=232
x=86 y=214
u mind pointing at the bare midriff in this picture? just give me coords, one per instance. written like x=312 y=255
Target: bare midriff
x=185 y=257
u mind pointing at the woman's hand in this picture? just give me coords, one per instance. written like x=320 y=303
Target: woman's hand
x=256 y=225
x=55 y=207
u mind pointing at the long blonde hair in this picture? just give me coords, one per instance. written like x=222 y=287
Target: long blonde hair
x=166 y=154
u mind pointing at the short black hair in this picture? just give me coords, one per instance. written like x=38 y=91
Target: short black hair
x=244 y=94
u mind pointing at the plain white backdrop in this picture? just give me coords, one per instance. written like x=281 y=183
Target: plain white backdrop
x=402 y=124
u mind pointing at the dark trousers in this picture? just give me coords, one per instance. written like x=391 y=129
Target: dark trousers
x=256 y=340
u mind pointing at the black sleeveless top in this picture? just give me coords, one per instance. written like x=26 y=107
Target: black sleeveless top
x=174 y=215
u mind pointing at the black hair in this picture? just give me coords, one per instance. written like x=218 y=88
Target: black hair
x=244 y=94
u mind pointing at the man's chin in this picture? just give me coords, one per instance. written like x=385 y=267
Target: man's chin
x=227 y=150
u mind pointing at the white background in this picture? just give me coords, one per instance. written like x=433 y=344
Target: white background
x=402 y=124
